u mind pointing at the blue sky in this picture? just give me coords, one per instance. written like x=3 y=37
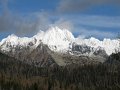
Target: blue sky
x=98 y=18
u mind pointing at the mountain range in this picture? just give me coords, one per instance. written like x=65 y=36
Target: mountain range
x=57 y=46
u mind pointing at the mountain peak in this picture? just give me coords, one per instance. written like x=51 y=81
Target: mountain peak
x=56 y=37
x=55 y=34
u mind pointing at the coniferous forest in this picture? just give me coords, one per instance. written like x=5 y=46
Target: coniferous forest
x=16 y=75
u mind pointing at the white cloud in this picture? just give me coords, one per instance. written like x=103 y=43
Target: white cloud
x=95 y=33
x=64 y=24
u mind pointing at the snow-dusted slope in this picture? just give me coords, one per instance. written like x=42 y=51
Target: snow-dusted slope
x=110 y=46
x=13 y=41
x=57 y=40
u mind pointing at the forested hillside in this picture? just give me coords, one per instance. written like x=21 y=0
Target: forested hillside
x=16 y=75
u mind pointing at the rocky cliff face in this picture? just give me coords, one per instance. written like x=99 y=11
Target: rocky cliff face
x=40 y=56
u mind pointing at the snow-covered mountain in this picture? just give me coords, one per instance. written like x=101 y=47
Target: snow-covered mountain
x=110 y=46
x=58 y=41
